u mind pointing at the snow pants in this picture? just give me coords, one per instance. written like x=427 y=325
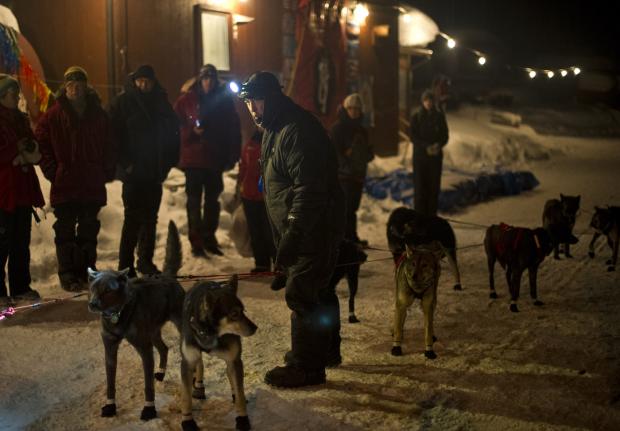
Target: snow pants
x=261 y=237
x=203 y=223
x=15 y=230
x=426 y=182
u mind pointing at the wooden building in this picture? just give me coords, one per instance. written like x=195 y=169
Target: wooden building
x=110 y=38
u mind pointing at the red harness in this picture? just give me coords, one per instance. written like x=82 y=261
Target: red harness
x=508 y=241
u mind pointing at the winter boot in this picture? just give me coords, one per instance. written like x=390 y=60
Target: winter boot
x=212 y=246
x=293 y=376
x=146 y=250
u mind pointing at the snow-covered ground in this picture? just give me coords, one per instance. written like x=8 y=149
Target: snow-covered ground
x=551 y=368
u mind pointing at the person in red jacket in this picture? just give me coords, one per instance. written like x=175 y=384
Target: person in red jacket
x=78 y=158
x=210 y=145
x=19 y=192
x=250 y=189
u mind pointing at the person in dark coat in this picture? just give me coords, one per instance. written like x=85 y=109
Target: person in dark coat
x=306 y=210
x=78 y=158
x=429 y=134
x=210 y=145
x=354 y=153
x=147 y=132
x=19 y=193
x=253 y=201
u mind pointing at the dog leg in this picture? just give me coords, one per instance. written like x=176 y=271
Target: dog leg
x=234 y=370
x=110 y=344
x=198 y=385
x=190 y=357
x=614 y=256
x=533 y=275
x=567 y=250
x=352 y=279
x=491 y=267
x=556 y=251
x=162 y=349
x=148 y=364
x=515 y=287
x=429 y=301
x=451 y=255
x=591 y=246
x=400 y=314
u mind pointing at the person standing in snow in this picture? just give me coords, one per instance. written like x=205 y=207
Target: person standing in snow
x=147 y=132
x=253 y=202
x=306 y=210
x=19 y=193
x=78 y=158
x=210 y=145
x=429 y=134
x=354 y=153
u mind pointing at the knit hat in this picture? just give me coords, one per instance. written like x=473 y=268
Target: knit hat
x=353 y=101
x=428 y=94
x=144 y=71
x=76 y=73
x=208 y=71
x=7 y=82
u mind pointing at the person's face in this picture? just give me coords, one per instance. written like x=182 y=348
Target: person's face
x=11 y=98
x=75 y=90
x=428 y=104
x=207 y=84
x=354 y=112
x=257 y=109
x=145 y=85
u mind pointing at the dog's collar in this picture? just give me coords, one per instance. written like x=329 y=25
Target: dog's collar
x=115 y=317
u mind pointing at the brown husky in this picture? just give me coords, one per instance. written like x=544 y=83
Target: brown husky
x=136 y=310
x=214 y=322
x=417 y=276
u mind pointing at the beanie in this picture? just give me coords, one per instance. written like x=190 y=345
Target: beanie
x=7 y=82
x=208 y=71
x=353 y=101
x=428 y=94
x=75 y=73
x=144 y=71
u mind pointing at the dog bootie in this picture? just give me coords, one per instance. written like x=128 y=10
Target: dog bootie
x=242 y=423
x=108 y=411
x=148 y=413
x=189 y=425
x=294 y=377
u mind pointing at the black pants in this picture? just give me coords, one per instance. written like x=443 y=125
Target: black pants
x=315 y=312
x=203 y=224
x=141 y=202
x=261 y=237
x=76 y=230
x=353 y=196
x=15 y=247
x=426 y=182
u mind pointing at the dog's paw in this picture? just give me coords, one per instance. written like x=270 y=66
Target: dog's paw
x=458 y=286
x=148 y=413
x=568 y=255
x=538 y=303
x=242 y=423
x=514 y=308
x=189 y=425
x=493 y=295
x=199 y=393
x=353 y=319
x=591 y=254
x=430 y=354
x=159 y=377
x=611 y=268
x=397 y=351
x=108 y=411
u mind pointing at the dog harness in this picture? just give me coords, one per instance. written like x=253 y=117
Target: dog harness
x=505 y=243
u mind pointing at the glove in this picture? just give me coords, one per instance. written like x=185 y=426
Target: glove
x=433 y=150
x=288 y=249
x=279 y=282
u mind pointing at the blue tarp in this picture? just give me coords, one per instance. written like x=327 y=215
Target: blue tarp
x=399 y=185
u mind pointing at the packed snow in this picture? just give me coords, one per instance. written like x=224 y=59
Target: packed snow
x=555 y=367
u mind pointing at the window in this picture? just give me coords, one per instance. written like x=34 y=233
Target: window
x=213 y=38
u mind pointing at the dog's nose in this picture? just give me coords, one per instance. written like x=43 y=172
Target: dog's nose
x=93 y=305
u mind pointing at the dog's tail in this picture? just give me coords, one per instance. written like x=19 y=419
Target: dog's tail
x=174 y=252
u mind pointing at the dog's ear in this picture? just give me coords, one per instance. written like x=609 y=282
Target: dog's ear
x=122 y=275
x=92 y=274
x=233 y=283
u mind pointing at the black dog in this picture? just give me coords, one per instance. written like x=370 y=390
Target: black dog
x=408 y=227
x=136 y=310
x=518 y=249
x=606 y=221
x=350 y=257
x=560 y=214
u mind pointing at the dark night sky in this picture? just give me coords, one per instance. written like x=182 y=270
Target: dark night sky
x=532 y=32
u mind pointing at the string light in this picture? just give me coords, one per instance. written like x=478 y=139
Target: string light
x=532 y=74
x=482 y=60
x=360 y=13
x=550 y=74
x=576 y=71
x=451 y=43
x=563 y=73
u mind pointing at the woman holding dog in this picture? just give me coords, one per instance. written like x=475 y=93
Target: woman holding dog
x=19 y=193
